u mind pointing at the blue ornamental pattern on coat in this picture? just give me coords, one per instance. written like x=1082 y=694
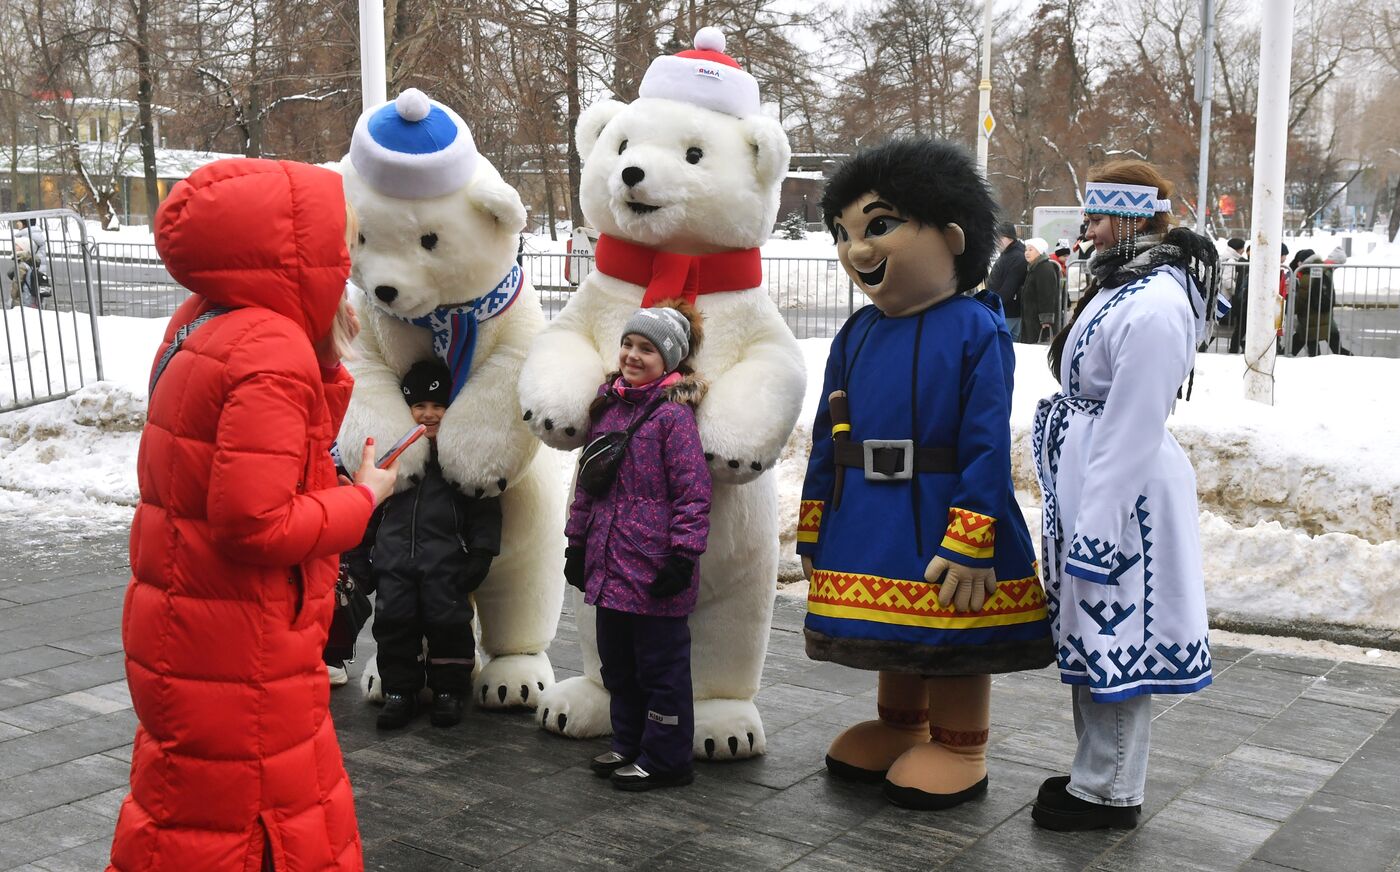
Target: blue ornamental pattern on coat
x=1121 y=553
x=1119 y=297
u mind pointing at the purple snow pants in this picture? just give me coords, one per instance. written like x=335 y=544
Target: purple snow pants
x=646 y=668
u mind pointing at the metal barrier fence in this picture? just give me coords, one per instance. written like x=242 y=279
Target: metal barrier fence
x=815 y=296
x=50 y=351
x=1337 y=308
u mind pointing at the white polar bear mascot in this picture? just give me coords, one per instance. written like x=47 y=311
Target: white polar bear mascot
x=683 y=186
x=436 y=261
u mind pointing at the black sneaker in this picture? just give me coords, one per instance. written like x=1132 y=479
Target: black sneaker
x=399 y=709
x=634 y=778
x=606 y=764
x=447 y=709
x=1058 y=809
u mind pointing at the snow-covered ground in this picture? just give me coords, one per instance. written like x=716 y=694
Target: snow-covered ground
x=1299 y=500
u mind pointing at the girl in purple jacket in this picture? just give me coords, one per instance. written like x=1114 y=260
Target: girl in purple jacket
x=633 y=550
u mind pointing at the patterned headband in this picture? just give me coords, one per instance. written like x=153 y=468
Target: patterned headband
x=1130 y=201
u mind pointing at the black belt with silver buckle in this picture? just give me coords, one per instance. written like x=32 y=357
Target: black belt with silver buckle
x=895 y=459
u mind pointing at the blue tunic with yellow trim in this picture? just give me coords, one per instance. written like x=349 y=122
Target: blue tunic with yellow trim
x=942 y=378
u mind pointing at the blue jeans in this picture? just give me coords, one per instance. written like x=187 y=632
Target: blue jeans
x=1014 y=325
x=1110 y=767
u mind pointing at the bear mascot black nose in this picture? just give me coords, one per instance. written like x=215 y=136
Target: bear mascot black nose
x=387 y=293
x=632 y=175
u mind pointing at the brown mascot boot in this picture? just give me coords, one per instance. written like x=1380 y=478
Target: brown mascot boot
x=864 y=752
x=952 y=768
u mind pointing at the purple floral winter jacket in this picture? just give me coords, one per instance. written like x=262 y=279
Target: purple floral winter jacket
x=659 y=505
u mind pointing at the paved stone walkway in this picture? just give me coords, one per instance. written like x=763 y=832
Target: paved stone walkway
x=1287 y=763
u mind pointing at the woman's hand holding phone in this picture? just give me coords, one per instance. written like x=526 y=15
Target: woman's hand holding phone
x=379 y=481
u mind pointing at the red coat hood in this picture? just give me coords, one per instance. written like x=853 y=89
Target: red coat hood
x=249 y=232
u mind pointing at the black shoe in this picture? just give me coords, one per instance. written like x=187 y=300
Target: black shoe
x=1052 y=785
x=399 y=709
x=447 y=709
x=606 y=764
x=847 y=772
x=634 y=778
x=1060 y=810
x=910 y=797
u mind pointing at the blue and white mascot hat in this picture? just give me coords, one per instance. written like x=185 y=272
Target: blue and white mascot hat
x=413 y=148
x=1129 y=201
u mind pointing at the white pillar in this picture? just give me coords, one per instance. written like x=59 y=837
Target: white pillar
x=1205 y=84
x=373 y=89
x=984 y=88
x=1266 y=231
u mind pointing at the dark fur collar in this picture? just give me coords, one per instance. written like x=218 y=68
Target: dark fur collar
x=1179 y=247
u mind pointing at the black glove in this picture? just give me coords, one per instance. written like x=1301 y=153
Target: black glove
x=474 y=569
x=675 y=576
x=573 y=566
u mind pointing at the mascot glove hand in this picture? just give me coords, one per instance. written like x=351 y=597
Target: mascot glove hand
x=573 y=567
x=807 y=567
x=474 y=569
x=674 y=577
x=967 y=588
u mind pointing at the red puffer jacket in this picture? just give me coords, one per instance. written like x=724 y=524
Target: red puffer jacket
x=234 y=542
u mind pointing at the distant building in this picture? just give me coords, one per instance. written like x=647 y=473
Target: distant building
x=38 y=174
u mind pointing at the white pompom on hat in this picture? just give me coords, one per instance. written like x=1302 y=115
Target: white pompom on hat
x=413 y=148
x=705 y=76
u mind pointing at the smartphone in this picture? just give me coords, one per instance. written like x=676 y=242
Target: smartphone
x=400 y=446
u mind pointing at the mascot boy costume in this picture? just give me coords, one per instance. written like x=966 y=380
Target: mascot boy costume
x=909 y=481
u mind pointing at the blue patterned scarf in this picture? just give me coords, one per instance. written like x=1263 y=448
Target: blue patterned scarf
x=454 y=327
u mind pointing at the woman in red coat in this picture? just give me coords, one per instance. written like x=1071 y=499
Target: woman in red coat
x=235 y=540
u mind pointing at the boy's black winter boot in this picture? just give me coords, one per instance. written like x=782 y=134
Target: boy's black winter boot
x=399 y=709
x=447 y=709
x=1058 y=809
x=634 y=778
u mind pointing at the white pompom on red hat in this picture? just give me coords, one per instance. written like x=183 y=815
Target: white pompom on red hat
x=705 y=76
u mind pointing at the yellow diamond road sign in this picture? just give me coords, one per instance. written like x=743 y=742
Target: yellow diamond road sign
x=988 y=124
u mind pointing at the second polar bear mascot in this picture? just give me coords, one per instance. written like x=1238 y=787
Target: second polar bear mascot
x=683 y=185
x=436 y=261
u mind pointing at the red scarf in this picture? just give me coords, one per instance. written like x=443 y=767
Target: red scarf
x=666 y=275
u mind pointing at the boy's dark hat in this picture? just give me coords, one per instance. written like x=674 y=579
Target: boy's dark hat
x=427 y=381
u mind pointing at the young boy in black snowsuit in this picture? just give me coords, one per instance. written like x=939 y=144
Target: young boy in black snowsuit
x=428 y=548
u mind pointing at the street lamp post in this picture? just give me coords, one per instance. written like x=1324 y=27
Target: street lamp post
x=1204 y=86
x=373 y=86
x=984 y=89
x=1270 y=154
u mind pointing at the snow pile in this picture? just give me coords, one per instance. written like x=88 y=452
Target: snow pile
x=1298 y=500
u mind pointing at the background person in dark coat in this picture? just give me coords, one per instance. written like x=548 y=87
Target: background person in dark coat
x=1040 y=295
x=1008 y=275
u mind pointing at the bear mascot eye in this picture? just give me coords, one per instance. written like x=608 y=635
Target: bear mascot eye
x=428 y=241
x=693 y=155
x=362 y=239
x=622 y=147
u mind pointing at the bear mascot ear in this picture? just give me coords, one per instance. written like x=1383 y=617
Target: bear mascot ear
x=489 y=194
x=770 y=147
x=592 y=122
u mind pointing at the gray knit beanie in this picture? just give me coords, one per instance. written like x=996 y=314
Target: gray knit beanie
x=667 y=329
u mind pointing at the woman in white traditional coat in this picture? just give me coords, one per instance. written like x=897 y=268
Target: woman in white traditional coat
x=1122 y=553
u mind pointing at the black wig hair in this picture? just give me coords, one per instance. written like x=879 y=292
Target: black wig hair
x=930 y=180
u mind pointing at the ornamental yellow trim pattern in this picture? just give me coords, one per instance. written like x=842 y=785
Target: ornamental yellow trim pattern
x=809 y=520
x=970 y=534
x=915 y=603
